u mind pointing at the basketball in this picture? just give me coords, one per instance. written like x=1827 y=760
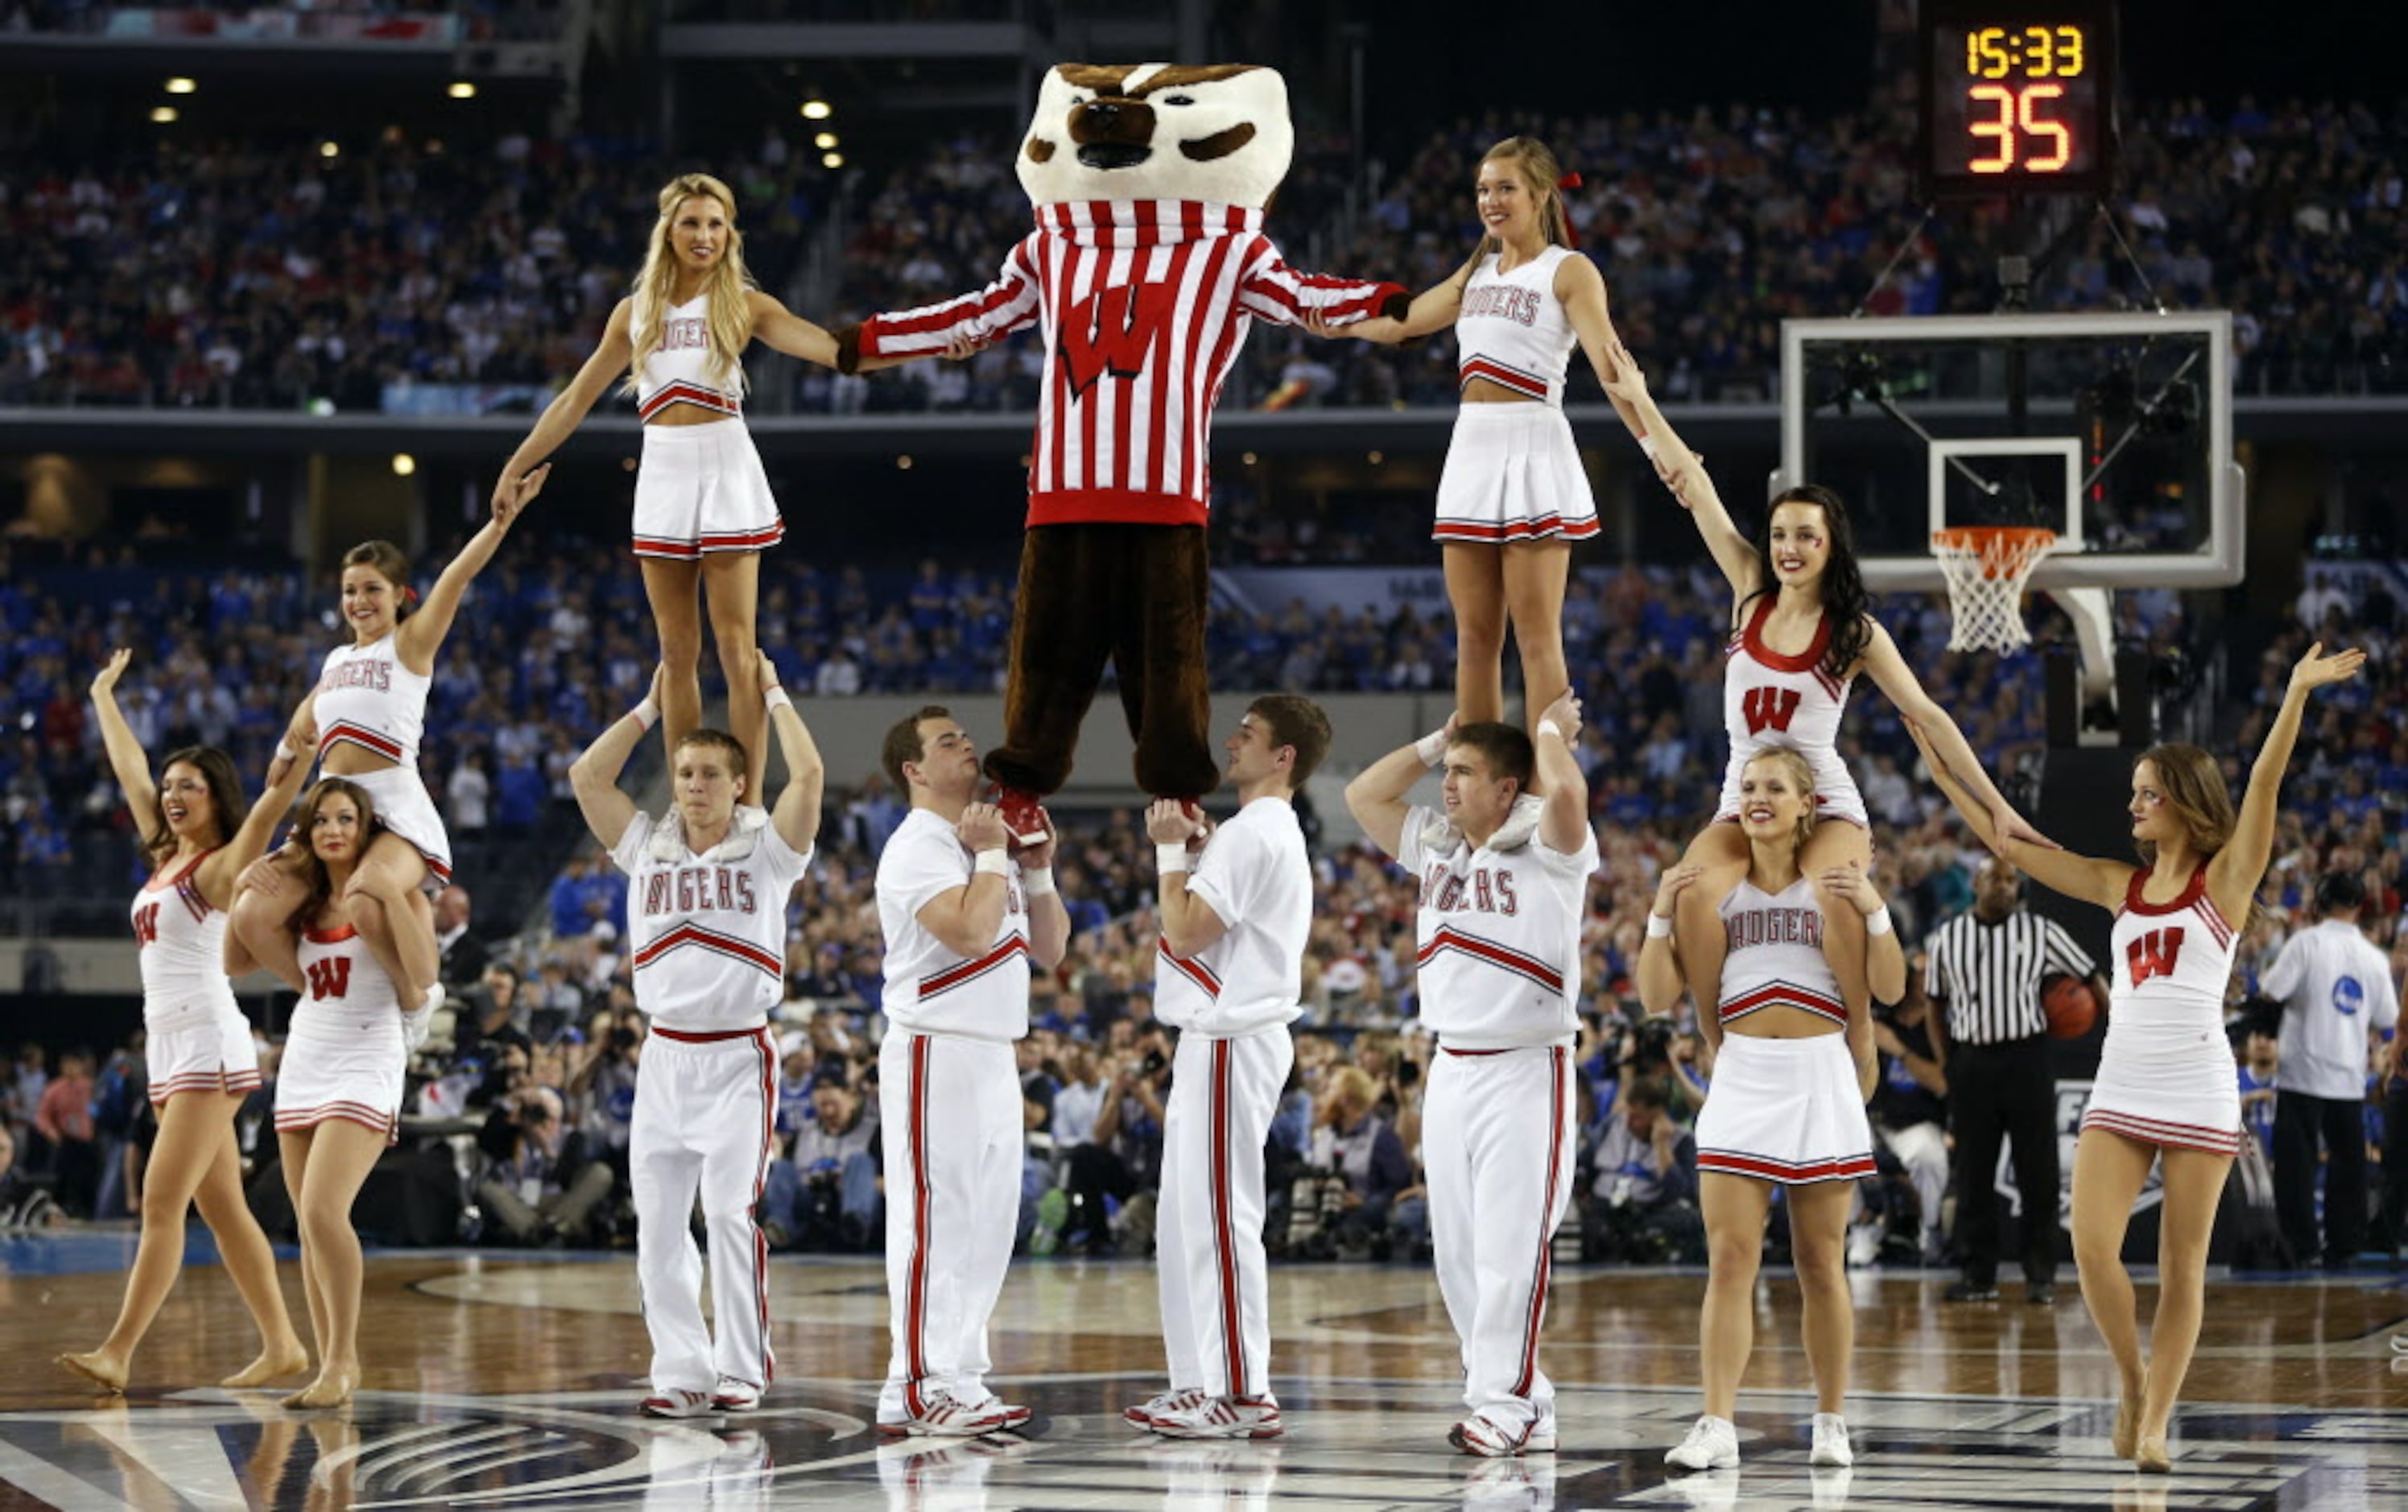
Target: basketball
x=2071 y=1006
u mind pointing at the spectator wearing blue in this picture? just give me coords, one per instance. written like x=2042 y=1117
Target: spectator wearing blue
x=2260 y=1067
x=2338 y=998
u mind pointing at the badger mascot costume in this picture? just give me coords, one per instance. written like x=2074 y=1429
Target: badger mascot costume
x=1147 y=266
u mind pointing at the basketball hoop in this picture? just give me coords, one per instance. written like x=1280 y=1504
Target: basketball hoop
x=1986 y=567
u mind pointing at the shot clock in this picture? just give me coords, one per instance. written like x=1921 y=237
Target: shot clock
x=2018 y=97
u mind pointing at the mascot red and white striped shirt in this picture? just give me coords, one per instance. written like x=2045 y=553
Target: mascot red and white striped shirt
x=1144 y=304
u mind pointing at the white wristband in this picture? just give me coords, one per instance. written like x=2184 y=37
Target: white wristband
x=774 y=696
x=646 y=714
x=1548 y=726
x=1658 y=927
x=1170 y=856
x=1647 y=445
x=996 y=861
x=1037 y=881
x=1878 y=921
x=1431 y=747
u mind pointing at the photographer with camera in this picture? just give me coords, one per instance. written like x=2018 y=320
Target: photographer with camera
x=1643 y=1208
x=540 y=1184
x=828 y=1195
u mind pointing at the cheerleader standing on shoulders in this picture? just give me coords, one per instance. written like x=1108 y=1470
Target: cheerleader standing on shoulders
x=2165 y=1088
x=704 y=514
x=1513 y=495
x=202 y=1059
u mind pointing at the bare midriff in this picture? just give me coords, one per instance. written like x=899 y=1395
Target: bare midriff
x=1484 y=391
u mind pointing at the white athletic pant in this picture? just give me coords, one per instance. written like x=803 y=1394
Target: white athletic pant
x=1497 y=1148
x=1216 y=1321
x=706 y=1113
x=949 y=1113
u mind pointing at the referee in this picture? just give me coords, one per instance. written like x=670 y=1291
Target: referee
x=1984 y=971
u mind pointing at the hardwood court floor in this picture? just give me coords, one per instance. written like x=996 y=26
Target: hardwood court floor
x=501 y=1381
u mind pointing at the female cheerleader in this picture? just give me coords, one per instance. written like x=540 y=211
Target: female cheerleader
x=1793 y=1068
x=366 y=718
x=1800 y=635
x=2165 y=1086
x=202 y=1059
x=338 y=1089
x=703 y=509
x=1513 y=497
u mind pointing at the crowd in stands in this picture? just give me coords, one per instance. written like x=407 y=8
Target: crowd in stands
x=261 y=275
x=533 y=1081
x=258 y=274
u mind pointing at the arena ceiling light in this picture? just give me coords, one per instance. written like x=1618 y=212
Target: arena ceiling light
x=832 y=159
x=180 y=85
x=824 y=141
x=461 y=90
x=404 y=464
x=163 y=114
x=328 y=149
x=817 y=110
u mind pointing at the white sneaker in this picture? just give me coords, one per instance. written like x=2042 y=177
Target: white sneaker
x=674 y=1402
x=1489 y=1439
x=944 y=1417
x=1712 y=1444
x=1831 y=1441
x=1220 y=1417
x=1520 y=823
x=416 y=1023
x=1864 y=1243
x=1145 y=1413
x=732 y=1395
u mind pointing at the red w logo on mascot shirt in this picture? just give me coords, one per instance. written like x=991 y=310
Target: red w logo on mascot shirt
x=2153 y=954
x=330 y=977
x=1774 y=707
x=1115 y=332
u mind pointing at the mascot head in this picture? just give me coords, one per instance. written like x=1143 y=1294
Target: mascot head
x=1218 y=133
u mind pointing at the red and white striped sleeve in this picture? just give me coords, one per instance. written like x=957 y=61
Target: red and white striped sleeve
x=1009 y=303
x=1273 y=291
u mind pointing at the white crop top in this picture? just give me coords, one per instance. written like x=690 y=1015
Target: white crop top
x=1512 y=329
x=367 y=697
x=681 y=370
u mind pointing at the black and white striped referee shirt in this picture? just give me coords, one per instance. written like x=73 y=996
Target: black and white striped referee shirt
x=1989 y=974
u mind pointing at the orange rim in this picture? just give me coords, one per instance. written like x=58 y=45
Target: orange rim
x=2000 y=548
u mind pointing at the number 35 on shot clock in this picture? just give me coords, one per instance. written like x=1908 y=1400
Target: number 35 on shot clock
x=2018 y=97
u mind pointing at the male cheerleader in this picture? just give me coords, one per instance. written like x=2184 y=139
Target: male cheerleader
x=962 y=919
x=1234 y=926
x=1499 y=936
x=707 y=884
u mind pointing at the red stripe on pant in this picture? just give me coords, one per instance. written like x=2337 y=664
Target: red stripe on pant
x=915 y=1292
x=1546 y=1231
x=1225 y=1240
x=753 y=1213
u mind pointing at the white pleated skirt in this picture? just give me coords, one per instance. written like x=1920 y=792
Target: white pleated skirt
x=1512 y=474
x=1785 y=1111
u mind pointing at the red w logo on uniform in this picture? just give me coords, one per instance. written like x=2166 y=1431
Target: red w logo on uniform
x=2153 y=954
x=1774 y=707
x=146 y=925
x=1115 y=332
x=330 y=977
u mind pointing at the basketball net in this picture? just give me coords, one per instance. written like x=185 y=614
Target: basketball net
x=1986 y=567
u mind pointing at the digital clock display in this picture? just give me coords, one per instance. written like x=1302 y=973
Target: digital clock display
x=2018 y=98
